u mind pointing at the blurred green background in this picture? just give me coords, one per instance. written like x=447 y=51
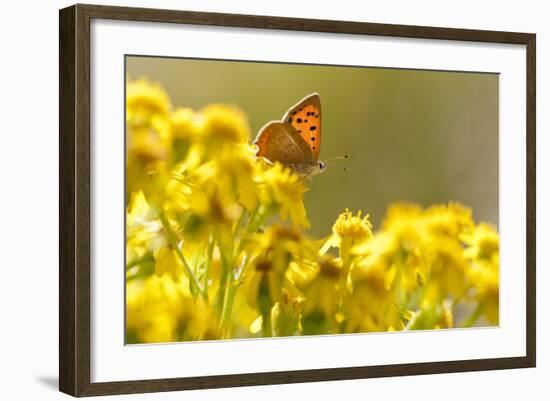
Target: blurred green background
x=411 y=135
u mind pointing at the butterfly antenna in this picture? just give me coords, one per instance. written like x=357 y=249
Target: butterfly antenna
x=337 y=158
x=336 y=165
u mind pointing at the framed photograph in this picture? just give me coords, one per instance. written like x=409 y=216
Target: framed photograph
x=250 y=200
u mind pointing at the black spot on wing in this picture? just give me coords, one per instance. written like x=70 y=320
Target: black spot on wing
x=312 y=128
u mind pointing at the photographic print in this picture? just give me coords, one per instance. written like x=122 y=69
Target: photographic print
x=276 y=199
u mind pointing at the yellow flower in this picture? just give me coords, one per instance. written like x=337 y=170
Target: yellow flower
x=233 y=173
x=426 y=250
x=404 y=222
x=262 y=284
x=215 y=207
x=284 y=188
x=145 y=100
x=349 y=232
x=195 y=190
x=183 y=183
x=149 y=133
x=149 y=143
x=322 y=298
x=450 y=220
x=483 y=252
x=184 y=129
x=221 y=125
x=203 y=325
x=401 y=244
x=482 y=242
x=358 y=228
x=159 y=309
x=286 y=315
x=448 y=275
x=184 y=123
x=143 y=229
x=167 y=262
x=485 y=276
x=154 y=309
x=272 y=253
x=372 y=305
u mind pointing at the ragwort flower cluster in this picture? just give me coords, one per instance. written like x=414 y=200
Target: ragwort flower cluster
x=216 y=248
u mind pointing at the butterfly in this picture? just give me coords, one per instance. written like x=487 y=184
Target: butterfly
x=295 y=141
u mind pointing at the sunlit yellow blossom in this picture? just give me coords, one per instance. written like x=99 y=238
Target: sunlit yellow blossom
x=357 y=228
x=154 y=308
x=322 y=298
x=285 y=189
x=482 y=242
x=234 y=173
x=221 y=125
x=158 y=309
x=203 y=324
x=224 y=184
x=148 y=133
x=349 y=232
x=273 y=252
x=183 y=183
x=372 y=305
x=483 y=251
x=195 y=192
x=448 y=270
x=405 y=238
x=149 y=143
x=215 y=207
x=286 y=315
x=167 y=262
x=404 y=221
x=143 y=230
x=184 y=123
x=145 y=100
x=485 y=276
x=450 y=220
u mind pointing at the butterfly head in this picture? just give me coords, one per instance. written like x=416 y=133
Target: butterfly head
x=321 y=166
x=310 y=169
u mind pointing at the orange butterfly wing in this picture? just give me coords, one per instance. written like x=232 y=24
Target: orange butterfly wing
x=305 y=116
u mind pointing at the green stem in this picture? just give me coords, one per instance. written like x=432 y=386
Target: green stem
x=257 y=219
x=172 y=240
x=231 y=292
x=470 y=320
x=225 y=303
x=220 y=299
x=208 y=267
x=148 y=258
x=226 y=262
x=267 y=329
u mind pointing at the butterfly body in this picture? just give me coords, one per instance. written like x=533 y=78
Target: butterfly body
x=295 y=141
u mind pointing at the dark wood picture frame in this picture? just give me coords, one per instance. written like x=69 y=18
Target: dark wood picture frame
x=74 y=199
